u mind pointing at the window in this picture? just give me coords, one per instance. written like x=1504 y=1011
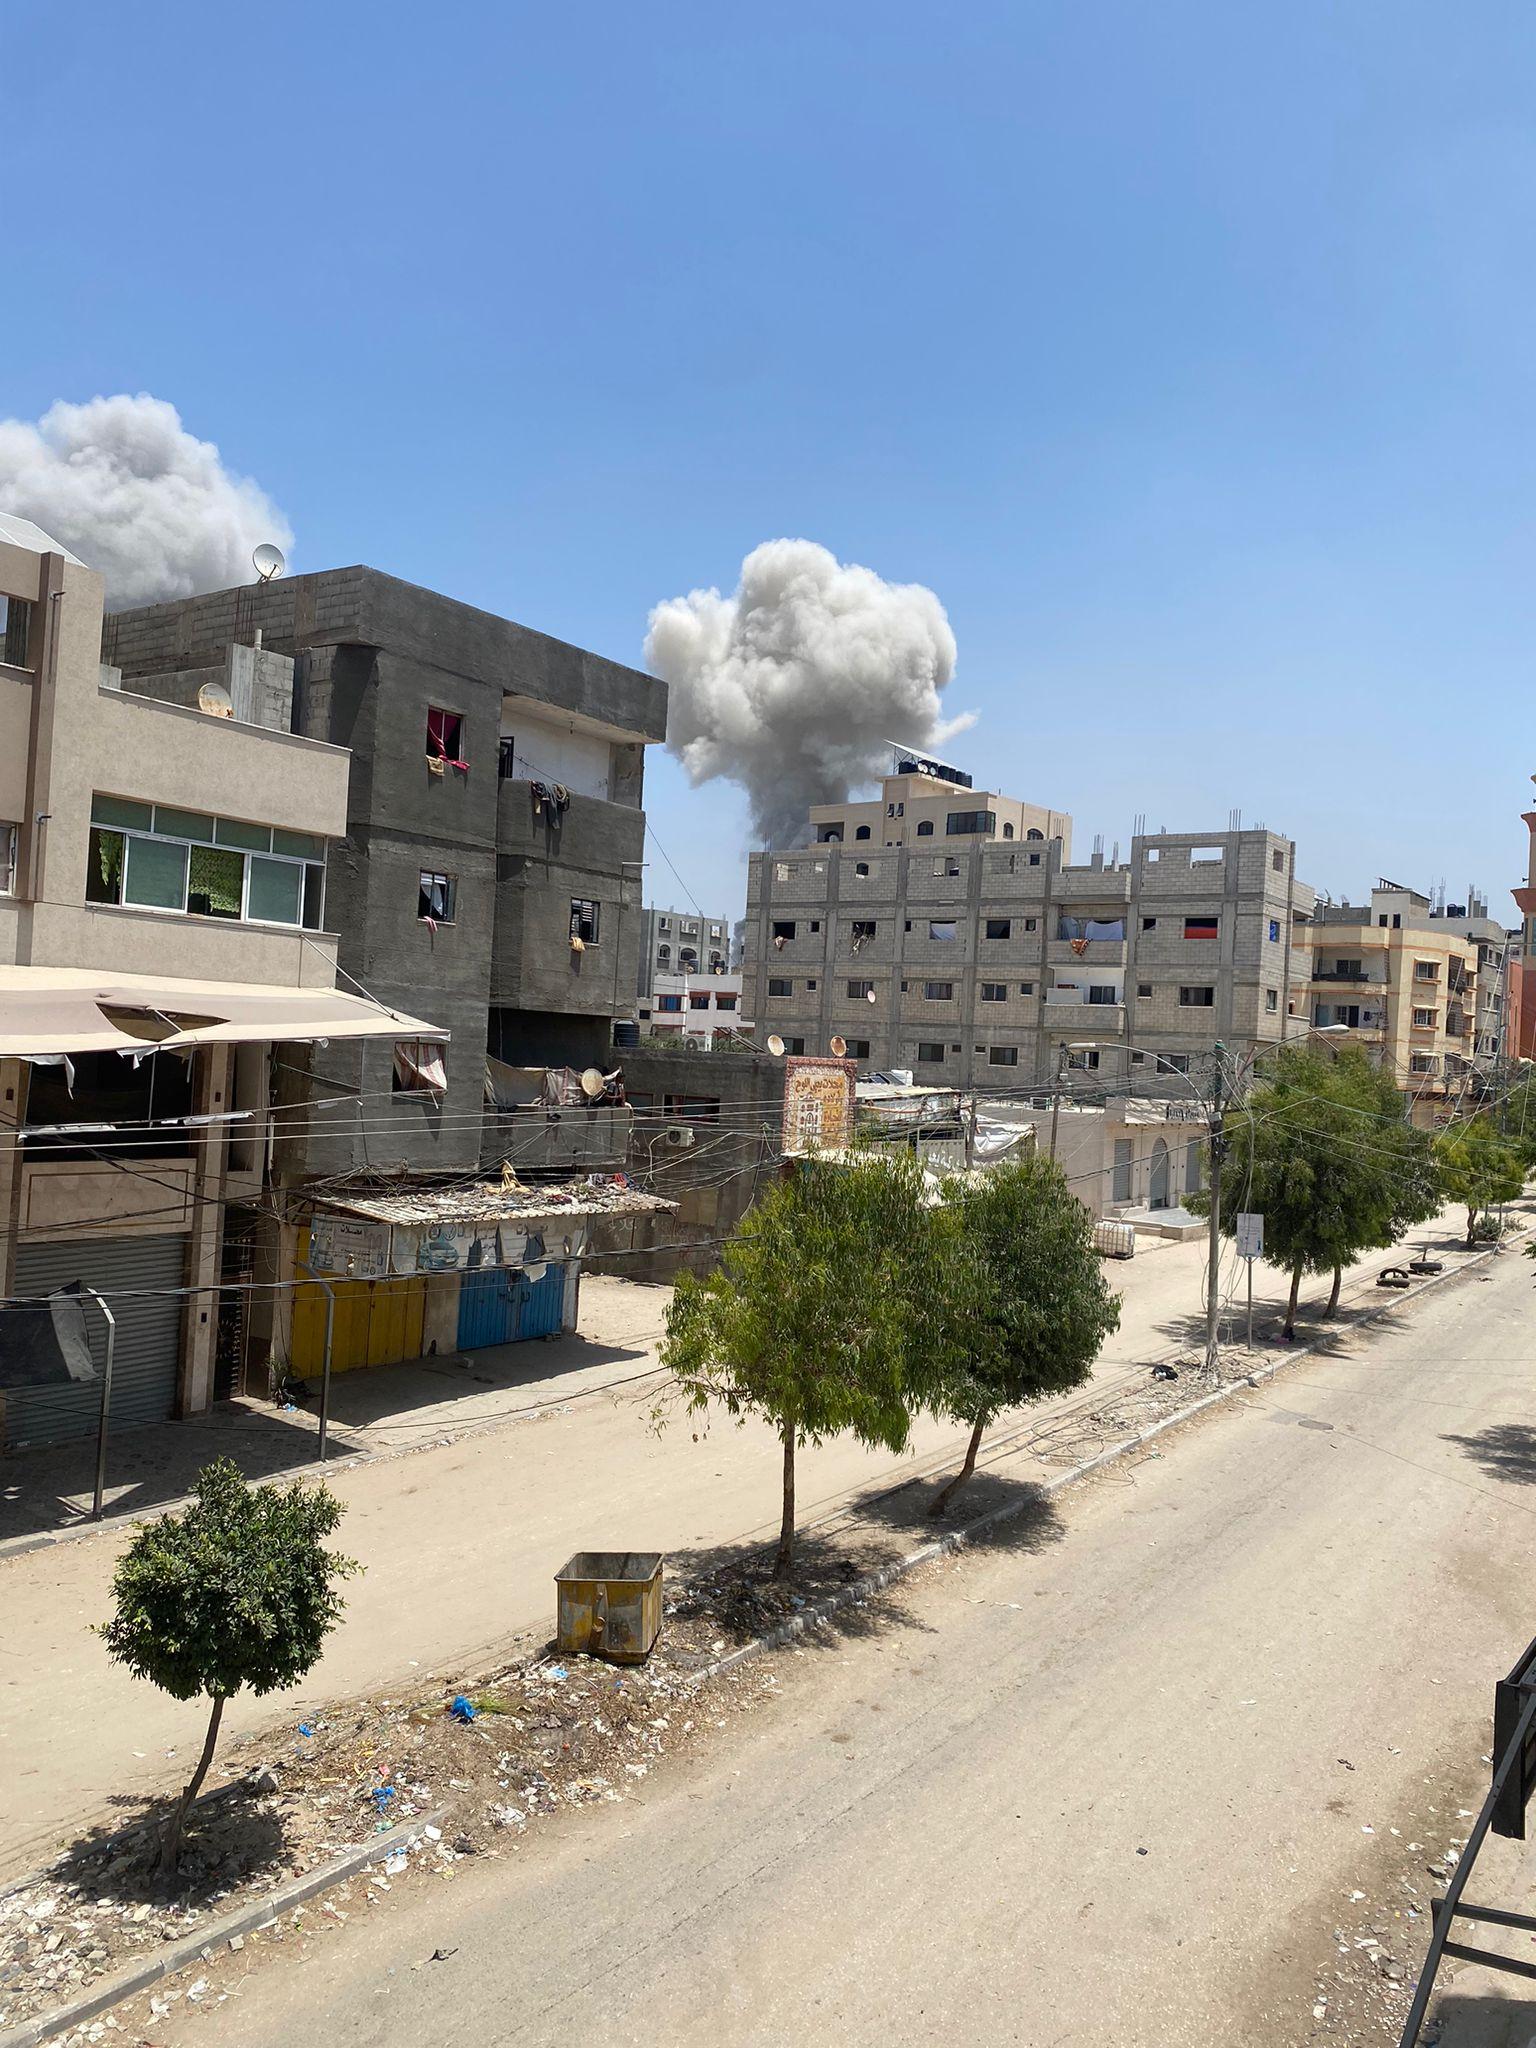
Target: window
x=1205 y=856
x=1103 y=992
x=1031 y=924
x=687 y=957
x=795 y=1046
x=1143 y=988
x=1084 y=1061
x=999 y=927
x=941 y=928
x=1277 y=862
x=938 y=991
x=960 y=822
x=858 y=1048
x=698 y=999
x=1271 y=1000
x=829 y=835
x=1002 y=1055
x=154 y=857
x=994 y=991
x=419 y=1068
x=925 y=828
x=1423 y=1063
x=1149 y=924
x=783 y=928
x=1034 y=832
x=1274 y=931
x=7 y=860
x=663 y=956
x=1200 y=927
x=1026 y=988
x=1203 y=998
x=779 y=986
x=663 y=924
x=1426 y=970
x=815 y=924
x=811 y=986
x=861 y=867
x=1424 y=1020
x=949 y=868
x=1007 y=831
x=438 y=901
x=1034 y=860
x=15 y=630
x=670 y=1004
x=445 y=737
x=1175 y=1062
x=861 y=832
x=724 y=1001
x=860 y=991
x=863 y=928
x=930 y=1052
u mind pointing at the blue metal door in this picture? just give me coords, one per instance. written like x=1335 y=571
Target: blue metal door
x=487 y=1307
x=540 y=1303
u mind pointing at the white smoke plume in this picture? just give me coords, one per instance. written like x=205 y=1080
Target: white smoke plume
x=122 y=484
x=790 y=685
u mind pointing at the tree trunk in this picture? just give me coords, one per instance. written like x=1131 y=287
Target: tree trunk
x=784 y=1562
x=942 y=1501
x=1290 y=1307
x=1471 y=1225
x=1333 y=1298
x=170 y=1847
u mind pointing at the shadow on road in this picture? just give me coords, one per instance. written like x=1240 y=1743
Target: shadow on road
x=1506 y=1450
x=1467 y=2022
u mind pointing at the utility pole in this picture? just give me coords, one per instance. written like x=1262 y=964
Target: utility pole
x=1213 y=1247
x=1061 y=1075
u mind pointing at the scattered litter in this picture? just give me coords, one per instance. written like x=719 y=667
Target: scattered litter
x=1165 y=1372
x=463 y=1708
x=1344 y=1760
x=441 y=1955
x=306 y=1731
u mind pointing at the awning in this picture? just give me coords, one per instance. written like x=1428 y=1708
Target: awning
x=71 y=1009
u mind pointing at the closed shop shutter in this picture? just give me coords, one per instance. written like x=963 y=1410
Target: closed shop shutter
x=135 y=1274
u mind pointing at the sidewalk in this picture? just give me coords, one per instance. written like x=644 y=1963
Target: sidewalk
x=513 y=1471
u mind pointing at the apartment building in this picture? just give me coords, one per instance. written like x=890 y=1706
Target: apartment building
x=1402 y=976
x=1520 y=1033
x=945 y=931
x=703 y=1008
x=681 y=942
x=166 y=941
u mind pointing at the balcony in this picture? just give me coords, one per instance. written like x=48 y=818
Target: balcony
x=1355 y=976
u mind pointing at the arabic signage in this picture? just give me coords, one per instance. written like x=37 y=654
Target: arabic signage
x=1248 y=1230
x=349 y=1244
x=818 y=1105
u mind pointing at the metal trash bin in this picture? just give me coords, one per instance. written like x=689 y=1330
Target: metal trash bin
x=608 y=1604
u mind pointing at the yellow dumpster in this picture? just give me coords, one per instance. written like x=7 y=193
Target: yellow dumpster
x=608 y=1604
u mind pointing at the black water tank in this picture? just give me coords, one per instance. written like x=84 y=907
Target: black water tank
x=626 y=1034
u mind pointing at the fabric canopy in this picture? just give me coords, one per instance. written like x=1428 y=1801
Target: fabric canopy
x=70 y=1009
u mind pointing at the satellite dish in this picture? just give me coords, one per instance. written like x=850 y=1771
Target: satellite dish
x=216 y=701
x=592 y=1084
x=776 y=1045
x=869 y=995
x=839 y=1047
x=268 y=562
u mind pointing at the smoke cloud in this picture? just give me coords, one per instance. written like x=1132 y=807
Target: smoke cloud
x=790 y=685
x=122 y=484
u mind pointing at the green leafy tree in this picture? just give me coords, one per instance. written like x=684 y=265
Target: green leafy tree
x=806 y=1319
x=1323 y=1150
x=1021 y=1308
x=237 y=1590
x=1478 y=1168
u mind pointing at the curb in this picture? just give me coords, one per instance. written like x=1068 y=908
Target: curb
x=861 y=1590
x=180 y=1955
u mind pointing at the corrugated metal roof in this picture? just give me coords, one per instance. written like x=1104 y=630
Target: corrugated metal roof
x=490 y=1202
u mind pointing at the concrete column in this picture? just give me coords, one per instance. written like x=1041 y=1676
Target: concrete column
x=13 y=1110
x=200 y=1320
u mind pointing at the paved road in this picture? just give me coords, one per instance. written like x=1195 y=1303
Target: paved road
x=1085 y=1790
x=460 y=1540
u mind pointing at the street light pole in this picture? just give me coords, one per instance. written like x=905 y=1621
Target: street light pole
x=1061 y=1075
x=1213 y=1246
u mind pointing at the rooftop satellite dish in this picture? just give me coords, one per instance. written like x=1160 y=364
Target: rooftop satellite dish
x=870 y=996
x=592 y=1084
x=776 y=1045
x=216 y=701
x=268 y=562
x=839 y=1047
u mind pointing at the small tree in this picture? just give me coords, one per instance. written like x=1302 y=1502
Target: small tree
x=238 y=1590
x=805 y=1320
x=1027 y=1308
x=1478 y=1168
x=1323 y=1151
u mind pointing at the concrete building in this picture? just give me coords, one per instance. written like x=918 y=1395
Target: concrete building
x=958 y=941
x=165 y=939
x=1403 y=978
x=681 y=942
x=490 y=871
x=1520 y=1036
x=705 y=1008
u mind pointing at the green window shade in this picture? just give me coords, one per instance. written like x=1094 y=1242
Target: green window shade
x=274 y=891
x=255 y=838
x=215 y=879
x=157 y=875
x=117 y=810
x=104 y=867
x=182 y=824
x=302 y=845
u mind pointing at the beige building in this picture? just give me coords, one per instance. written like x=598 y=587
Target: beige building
x=162 y=931
x=975 y=954
x=1412 y=985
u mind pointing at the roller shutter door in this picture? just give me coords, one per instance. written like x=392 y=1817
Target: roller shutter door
x=144 y=1364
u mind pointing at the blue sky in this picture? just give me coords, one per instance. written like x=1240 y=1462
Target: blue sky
x=1185 y=351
